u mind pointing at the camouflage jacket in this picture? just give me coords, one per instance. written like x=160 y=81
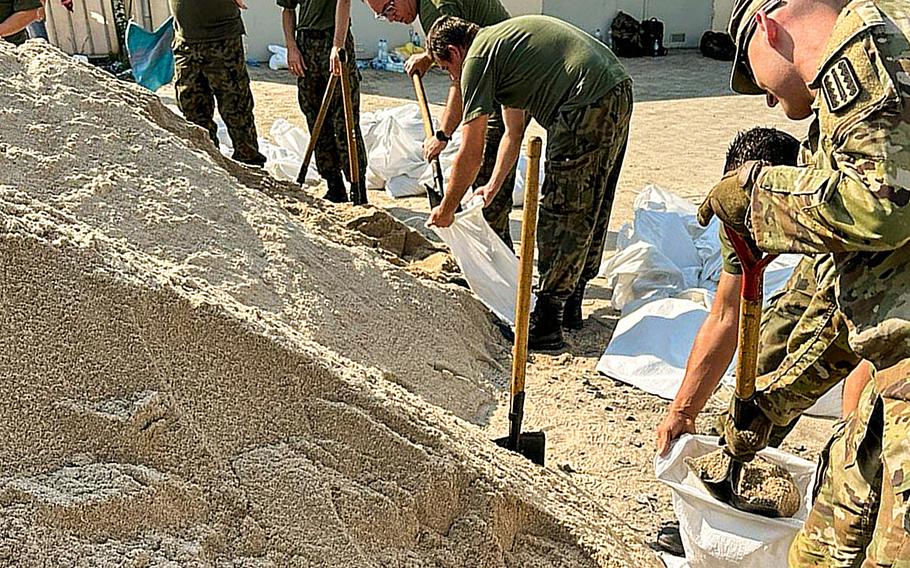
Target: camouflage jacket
x=852 y=198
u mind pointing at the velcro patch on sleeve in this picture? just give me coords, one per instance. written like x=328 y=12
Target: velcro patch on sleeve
x=840 y=85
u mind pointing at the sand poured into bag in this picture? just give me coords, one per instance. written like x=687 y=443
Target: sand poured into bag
x=196 y=373
x=761 y=483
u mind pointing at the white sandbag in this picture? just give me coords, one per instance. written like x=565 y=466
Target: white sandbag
x=518 y=192
x=488 y=265
x=650 y=345
x=714 y=534
x=279 y=58
x=641 y=273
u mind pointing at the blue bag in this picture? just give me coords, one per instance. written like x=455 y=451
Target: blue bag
x=150 y=53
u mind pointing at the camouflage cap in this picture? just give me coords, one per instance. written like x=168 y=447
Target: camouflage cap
x=741 y=29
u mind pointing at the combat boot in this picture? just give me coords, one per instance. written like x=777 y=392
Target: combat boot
x=571 y=318
x=337 y=192
x=546 y=325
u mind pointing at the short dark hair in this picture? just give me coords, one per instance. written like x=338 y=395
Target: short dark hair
x=450 y=31
x=767 y=144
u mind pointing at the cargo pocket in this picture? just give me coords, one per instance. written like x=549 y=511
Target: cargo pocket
x=824 y=458
x=568 y=186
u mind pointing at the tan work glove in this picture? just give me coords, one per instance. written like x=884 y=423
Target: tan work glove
x=743 y=443
x=731 y=197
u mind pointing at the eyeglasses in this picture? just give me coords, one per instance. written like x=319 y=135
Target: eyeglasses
x=386 y=11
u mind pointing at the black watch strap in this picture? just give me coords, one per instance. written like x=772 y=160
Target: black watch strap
x=441 y=136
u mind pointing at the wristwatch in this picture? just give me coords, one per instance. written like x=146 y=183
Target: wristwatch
x=441 y=136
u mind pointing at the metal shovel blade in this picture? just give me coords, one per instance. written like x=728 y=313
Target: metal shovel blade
x=434 y=197
x=530 y=445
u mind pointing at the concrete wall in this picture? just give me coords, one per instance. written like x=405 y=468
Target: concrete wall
x=685 y=20
x=722 y=11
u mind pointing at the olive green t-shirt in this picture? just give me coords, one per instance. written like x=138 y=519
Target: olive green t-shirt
x=539 y=64
x=200 y=21
x=10 y=7
x=312 y=14
x=481 y=12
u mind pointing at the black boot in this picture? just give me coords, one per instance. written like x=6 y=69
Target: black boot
x=337 y=192
x=546 y=325
x=571 y=318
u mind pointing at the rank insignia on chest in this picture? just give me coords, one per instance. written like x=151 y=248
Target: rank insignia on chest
x=840 y=85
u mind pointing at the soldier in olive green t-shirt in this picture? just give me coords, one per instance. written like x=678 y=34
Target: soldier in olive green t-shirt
x=15 y=15
x=315 y=32
x=210 y=65
x=574 y=87
x=483 y=13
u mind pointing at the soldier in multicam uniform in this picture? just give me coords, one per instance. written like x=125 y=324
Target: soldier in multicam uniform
x=579 y=91
x=314 y=38
x=210 y=64
x=483 y=13
x=850 y=65
x=800 y=332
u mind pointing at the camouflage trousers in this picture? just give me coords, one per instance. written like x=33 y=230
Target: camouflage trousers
x=332 y=145
x=805 y=325
x=497 y=212
x=861 y=515
x=585 y=151
x=210 y=71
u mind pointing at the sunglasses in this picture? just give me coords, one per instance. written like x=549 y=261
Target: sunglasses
x=386 y=11
x=769 y=6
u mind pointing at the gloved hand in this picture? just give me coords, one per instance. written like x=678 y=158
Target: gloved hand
x=742 y=443
x=68 y=4
x=730 y=198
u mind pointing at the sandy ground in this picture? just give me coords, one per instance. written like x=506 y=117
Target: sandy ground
x=600 y=431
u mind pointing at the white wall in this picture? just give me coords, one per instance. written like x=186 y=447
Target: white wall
x=688 y=18
x=263 y=27
x=722 y=11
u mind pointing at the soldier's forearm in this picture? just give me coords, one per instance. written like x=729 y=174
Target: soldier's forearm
x=289 y=27
x=342 y=22
x=509 y=147
x=19 y=21
x=451 y=116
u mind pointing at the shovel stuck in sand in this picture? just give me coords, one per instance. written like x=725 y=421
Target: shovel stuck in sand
x=529 y=444
x=724 y=480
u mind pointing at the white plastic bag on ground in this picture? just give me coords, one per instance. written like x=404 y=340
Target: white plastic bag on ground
x=279 y=58
x=490 y=268
x=714 y=534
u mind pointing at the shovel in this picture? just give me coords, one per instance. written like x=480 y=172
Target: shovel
x=753 y=265
x=317 y=128
x=434 y=195
x=358 y=189
x=529 y=444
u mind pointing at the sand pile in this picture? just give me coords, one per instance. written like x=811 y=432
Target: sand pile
x=194 y=373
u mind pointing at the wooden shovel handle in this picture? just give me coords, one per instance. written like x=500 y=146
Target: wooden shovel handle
x=350 y=125
x=526 y=266
x=317 y=128
x=424 y=105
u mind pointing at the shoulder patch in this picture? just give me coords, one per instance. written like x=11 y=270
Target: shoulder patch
x=840 y=85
